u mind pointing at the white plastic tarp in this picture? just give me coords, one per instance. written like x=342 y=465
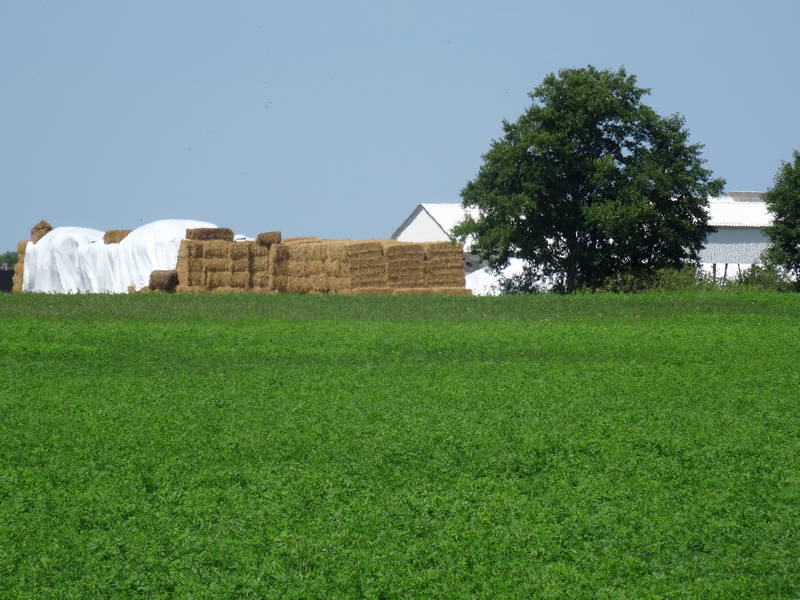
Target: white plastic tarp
x=485 y=282
x=71 y=260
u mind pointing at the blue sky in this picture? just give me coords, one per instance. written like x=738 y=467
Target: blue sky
x=336 y=118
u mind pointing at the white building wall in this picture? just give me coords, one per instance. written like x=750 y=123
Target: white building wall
x=735 y=246
x=423 y=229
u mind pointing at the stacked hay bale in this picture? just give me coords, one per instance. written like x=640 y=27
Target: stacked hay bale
x=204 y=234
x=444 y=265
x=367 y=267
x=41 y=229
x=204 y=260
x=295 y=265
x=261 y=261
x=190 y=267
x=115 y=236
x=405 y=264
x=312 y=265
x=163 y=281
x=19 y=268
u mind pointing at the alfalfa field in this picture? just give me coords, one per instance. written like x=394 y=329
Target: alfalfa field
x=215 y=446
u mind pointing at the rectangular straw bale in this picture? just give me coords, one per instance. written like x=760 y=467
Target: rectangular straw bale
x=317 y=284
x=216 y=279
x=262 y=279
x=259 y=250
x=240 y=250
x=115 y=236
x=19 y=267
x=309 y=251
x=217 y=249
x=165 y=280
x=280 y=283
x=395 y=249
x=239 y=265
x=279 y=254
x=448 y=279
x=337 y=284
x=298 y=285
x=241 y=280
x=268 y=238
x=190 y=277
x=217 y=265
x=261 y=263
x=405 y=264
x=210 y=233
x=364 y=247
x=442 y=248
x=191 y=249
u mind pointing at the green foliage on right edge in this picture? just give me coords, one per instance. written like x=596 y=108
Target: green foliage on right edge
x=590 y=183
x=783 y=200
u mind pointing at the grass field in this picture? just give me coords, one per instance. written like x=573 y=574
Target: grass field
x=164 y=446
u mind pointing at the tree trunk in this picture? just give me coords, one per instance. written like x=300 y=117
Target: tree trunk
x=572 y=266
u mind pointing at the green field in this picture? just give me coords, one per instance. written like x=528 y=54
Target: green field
x=599 y=446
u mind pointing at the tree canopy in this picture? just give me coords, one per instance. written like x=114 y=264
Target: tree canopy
x=590 y=183
x=783 y=200
x=9 y=258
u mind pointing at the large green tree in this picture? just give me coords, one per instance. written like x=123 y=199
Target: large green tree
x=783 y=200
x=590 y=183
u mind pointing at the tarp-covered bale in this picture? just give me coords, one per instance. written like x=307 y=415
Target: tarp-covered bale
x=75 y=259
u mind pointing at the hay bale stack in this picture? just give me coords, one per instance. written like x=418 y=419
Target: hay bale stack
x=166 y=280
x=261 y=266
x=241 y=265
x=41 y=229
x=210 y=233
x=115 y=236
x=444 y=265
x=19 y=268
x=216 y=263
x=190 y=267
x=366 y=263
x=268 y=238
x=405 y=264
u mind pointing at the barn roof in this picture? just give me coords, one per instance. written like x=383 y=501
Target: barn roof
x=737 y=209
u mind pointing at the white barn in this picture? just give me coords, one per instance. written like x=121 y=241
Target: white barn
x=739 y=217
